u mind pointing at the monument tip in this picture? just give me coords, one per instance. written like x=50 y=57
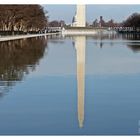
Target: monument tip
x=81 y=124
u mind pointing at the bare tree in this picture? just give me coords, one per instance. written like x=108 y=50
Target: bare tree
x=132 y=21
x=22 y=18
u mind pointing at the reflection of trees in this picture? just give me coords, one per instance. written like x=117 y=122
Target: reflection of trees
x=135 y=47
x=100 y=36
x=105 y=36
x=18 y=58
x=55 y=39
x=131 y=36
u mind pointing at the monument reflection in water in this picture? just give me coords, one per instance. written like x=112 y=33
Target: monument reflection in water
x=80 y=44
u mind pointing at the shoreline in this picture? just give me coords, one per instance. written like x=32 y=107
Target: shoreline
x=82 y=31
x=9 y=38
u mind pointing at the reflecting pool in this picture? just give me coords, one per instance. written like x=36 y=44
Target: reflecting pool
x=70 y=85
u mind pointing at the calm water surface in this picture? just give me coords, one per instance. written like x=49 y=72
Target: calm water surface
x=72 y=85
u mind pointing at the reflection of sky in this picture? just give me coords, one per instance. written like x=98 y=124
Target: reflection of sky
x=60 y=60
x=112 y=60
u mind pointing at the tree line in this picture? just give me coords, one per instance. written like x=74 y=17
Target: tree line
x=132 y=21
x=24 y=18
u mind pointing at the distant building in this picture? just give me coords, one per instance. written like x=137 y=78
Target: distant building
x=101 y=22
x=79 y=20
x=95 y=23
x=62 y=23
x=74 y=22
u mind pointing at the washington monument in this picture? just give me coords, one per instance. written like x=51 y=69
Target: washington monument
x=79 y=19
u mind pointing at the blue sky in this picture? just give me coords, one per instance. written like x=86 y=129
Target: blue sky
x=116 y=12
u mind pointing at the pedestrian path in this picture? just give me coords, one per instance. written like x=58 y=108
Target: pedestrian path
x=7 y=38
